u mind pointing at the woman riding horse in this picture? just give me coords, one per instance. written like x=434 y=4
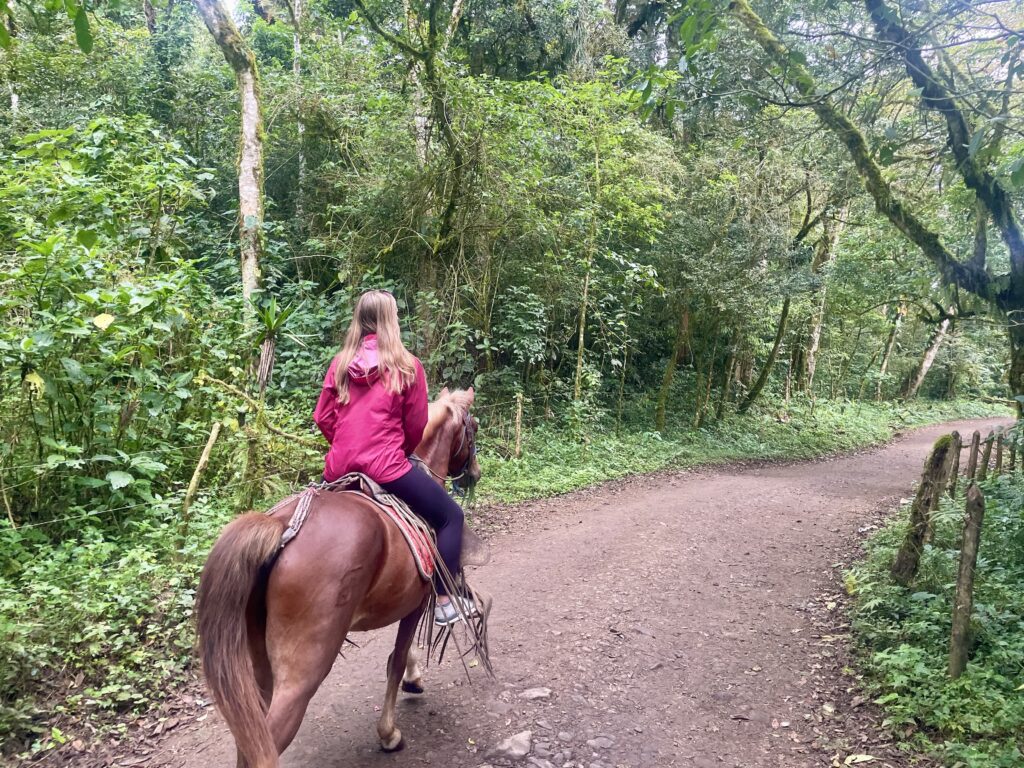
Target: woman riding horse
x=272 y=620
x=372 y=410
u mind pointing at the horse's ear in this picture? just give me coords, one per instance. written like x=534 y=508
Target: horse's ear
x=443 y=393
x=471 y=394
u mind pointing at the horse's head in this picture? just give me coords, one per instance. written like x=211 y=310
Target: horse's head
x=452 y=433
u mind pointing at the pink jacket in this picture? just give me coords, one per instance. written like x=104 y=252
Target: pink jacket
x=376 y=430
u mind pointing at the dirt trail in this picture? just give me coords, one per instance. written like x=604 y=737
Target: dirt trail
x=682 y=620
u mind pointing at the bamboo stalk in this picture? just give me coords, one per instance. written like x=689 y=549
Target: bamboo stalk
x=193 y=484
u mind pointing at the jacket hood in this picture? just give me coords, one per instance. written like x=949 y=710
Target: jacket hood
x=364 y=366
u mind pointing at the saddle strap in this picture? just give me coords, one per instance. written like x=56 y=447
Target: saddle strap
x=299 y=516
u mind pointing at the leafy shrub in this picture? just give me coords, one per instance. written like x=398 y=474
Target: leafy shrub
x=96 y=623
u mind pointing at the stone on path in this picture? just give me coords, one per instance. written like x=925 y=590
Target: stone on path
x=533 y=694
x=514 y=747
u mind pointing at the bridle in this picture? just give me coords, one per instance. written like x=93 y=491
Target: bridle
x=468 y=436
x=467 y=442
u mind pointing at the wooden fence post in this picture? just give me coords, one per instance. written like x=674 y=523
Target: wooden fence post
x=972 y=457
x=998 y=469
x=1013 y=455
x=905 y=566
x=963 y=601
x=986 y=456
x=954 y=462
x=519 y=424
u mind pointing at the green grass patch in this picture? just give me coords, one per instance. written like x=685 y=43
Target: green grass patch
x=903 y=635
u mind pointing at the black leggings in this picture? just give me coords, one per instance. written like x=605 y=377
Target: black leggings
x=431 y=502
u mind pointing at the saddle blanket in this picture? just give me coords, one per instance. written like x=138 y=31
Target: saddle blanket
x=416 y=532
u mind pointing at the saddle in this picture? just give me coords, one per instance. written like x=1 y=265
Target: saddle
x=418 y=534
x=422 y=541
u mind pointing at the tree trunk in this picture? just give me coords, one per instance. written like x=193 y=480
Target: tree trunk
x=889 y=344
x=11 y=72
x=159 y=23
x=250 y=159
x=300 y=123
x=772 y=356
x=823 y=255
x=905 y=566
x=1016 y=379
x=678 y=348
x=578 y=386
x=727 y=376
x=917 y=377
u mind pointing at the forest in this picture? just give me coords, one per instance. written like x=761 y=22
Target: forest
x=648 y=234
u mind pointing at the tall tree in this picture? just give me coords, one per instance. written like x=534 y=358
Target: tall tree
x=250 y=154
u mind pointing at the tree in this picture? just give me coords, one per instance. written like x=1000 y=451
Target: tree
x=939 y=93
x=250 y=153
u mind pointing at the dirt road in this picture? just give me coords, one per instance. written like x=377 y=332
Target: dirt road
x=683 y=620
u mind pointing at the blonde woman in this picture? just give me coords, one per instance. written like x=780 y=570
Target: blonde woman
x=372 y=410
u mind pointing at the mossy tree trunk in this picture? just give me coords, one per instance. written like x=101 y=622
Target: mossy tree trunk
x=916 y=378
x=762 y=379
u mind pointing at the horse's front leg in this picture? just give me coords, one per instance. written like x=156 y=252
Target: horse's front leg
x=390 y=736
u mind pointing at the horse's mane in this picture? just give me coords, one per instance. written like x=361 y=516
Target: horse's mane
x=453 y=405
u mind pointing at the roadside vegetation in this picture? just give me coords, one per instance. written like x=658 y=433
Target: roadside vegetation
x=903 y=634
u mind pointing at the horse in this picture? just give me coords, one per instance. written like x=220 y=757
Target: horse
x=272 y=621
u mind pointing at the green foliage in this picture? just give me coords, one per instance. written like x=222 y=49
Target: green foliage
x=96 y=626
x=103 y=334
x=904 y=634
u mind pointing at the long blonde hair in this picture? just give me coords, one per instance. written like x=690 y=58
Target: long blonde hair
x=376 y=312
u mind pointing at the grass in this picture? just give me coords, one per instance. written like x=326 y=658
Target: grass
x=553 y=463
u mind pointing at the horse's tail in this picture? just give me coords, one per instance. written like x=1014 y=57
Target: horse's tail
x=232 y=571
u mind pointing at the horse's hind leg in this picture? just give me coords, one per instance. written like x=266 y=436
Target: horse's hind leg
x=390 y=736
x=412 y=681
x=300 y=658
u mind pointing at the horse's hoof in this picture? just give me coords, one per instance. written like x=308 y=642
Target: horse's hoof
x=412 y=686
x=393 y=744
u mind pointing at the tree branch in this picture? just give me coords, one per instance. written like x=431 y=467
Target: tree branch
x=395 y=40
x=935 y=96
x=973 y=280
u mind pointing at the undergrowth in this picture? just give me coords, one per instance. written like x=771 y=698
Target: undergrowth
x=96 y=628
x=976 y=721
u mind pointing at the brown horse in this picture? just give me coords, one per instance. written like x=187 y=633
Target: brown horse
x=272 y=621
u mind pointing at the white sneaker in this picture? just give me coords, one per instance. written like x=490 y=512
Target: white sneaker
x=447 y=613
